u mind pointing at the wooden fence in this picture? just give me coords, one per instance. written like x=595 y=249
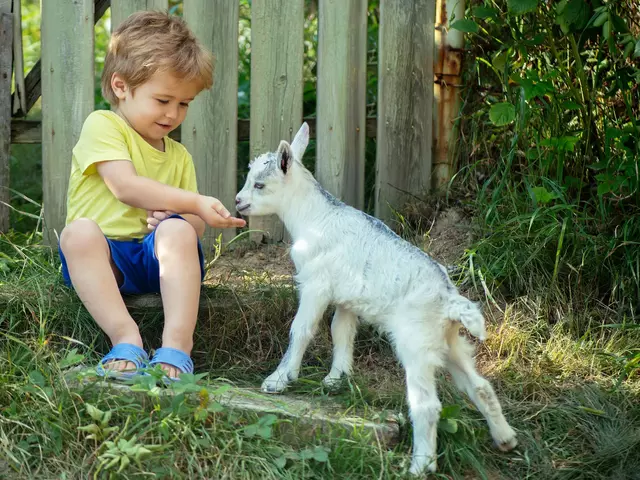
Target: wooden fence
x=403 y=127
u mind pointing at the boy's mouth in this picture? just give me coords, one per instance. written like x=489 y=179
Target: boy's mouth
x=164 y=126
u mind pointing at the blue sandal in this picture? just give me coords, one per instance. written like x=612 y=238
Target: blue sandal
x=126 y=352
x=174 y=357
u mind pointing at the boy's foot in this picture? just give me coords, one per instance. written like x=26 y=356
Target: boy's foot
x=123 y=361
x=173 y=362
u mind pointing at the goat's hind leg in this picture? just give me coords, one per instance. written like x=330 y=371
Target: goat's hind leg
x=343 y=332
x=304 y=326
x=421 y=352
x=461 y=365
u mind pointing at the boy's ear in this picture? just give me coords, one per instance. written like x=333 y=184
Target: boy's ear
x=119 y=86
x=300 y=141
x=284 y=154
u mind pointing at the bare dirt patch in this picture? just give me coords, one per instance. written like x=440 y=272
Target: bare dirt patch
x=444 y=234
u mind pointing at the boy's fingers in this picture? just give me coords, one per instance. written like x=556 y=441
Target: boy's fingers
x=219 y=207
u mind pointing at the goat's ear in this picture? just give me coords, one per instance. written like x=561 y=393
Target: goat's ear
x=300 y=141
x=285 y=156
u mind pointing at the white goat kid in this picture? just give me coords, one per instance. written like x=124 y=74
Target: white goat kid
x=355 y=262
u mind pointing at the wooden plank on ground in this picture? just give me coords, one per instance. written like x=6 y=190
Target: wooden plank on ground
x=210 y=130
x=341 y=108
x=67 y=99
x=405 y=103
x=276 y=86
x=6 y=53
x=121 y=9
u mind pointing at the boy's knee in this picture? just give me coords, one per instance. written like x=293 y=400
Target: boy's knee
x=176 y=231
x=79 y=235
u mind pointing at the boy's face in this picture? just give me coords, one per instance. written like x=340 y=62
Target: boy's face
x=156 y=107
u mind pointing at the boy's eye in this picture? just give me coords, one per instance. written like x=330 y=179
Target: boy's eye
x=184 y=104
x=164 y=102
x=259 y=186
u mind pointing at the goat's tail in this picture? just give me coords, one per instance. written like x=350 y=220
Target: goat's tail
x=468 y=313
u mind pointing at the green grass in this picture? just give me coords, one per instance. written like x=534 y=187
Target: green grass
x=572 y=398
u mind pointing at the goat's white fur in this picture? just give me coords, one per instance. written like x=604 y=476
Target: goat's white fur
x=355 y=262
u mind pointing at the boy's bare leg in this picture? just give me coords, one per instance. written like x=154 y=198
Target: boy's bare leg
x=95 y=279
x=176 y=246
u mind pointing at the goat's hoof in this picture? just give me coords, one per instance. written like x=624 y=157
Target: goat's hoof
x=420 y=467
x=275 y=383
x=332 y=383
x=507 y=441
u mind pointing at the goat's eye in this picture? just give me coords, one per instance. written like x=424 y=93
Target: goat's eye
x=259 y=186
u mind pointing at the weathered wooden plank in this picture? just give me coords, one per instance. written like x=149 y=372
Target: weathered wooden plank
x=19 y=101
x=341 y=106
x=29 y=131
x=405 y=103
x=67 y=99
x=121 y=9
x=33 y=84
x=210 y=130
x=276 y=86
x=6 y=53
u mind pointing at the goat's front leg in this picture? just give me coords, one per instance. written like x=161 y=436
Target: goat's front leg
x=312 y=305
x=343 y=332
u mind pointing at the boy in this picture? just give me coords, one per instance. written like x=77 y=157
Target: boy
x=134 y=215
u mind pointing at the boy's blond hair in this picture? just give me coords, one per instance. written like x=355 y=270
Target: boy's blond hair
x=149 y=42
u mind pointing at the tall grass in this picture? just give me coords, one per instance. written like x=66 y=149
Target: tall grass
x=550 y=141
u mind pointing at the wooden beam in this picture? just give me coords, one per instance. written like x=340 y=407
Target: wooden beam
x=33 y=85
x=277 y=53
x=30 y=131
x=6 y=54
x=405 y=103
x=19 y=100
x=67 y=100
x=341 y=105
x=210 y=130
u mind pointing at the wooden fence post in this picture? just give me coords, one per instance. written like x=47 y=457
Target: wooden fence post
x=67 y=99
x=341 y=107
x=6 y=53
x=277 y=49
x=405 y=103
x=121 y=9
x=210 y=130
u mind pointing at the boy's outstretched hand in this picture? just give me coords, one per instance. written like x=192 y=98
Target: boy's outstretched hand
x=212 y=211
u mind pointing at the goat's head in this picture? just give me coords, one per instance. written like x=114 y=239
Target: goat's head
x=270 y=174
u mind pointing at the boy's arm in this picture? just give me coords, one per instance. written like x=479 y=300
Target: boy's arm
x=140 y=192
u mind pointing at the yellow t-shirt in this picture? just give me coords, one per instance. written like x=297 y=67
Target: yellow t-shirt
x=106 y=136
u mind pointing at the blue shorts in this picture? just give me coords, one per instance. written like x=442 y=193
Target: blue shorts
x=137 y=261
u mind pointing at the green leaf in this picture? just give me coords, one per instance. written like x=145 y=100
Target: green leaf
x=281 y=462
x=448 y=425
x=37 y=378
x=321 y=454
x=450 y=411
x=502 y=114
x=465 y=25
x=636 y=52
x=72 y=358
x=520 y=7
x=570 y=105
x=600 y=19
x=543 y=196
x=485 y=12
x=576 y=14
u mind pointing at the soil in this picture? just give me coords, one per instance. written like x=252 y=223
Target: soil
x=445 y=238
